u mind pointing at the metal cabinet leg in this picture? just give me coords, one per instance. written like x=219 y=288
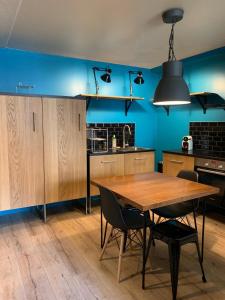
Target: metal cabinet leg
x=45 y=213
x=42 y=212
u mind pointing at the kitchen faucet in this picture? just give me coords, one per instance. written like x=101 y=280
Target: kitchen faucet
x=125 y=144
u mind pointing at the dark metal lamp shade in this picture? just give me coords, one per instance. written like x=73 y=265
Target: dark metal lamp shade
x=139 y=79
x=106 y=77
x=172 y=89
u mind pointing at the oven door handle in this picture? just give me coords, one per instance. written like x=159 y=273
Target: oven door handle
x=211 y=172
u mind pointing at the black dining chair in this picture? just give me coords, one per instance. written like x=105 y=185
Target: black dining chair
x=180 y=210
x=175 y=234
x=121 y=218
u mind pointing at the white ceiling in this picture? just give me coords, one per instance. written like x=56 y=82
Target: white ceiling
x=129 y=32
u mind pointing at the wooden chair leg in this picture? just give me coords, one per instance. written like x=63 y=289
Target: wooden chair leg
x=188 y=221
x=120 y=255
x=158 y=220
x=106 y=243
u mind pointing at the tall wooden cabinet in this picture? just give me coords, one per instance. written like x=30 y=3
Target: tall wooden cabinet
x=64 y=127
x=21 y=152
x=43 y=150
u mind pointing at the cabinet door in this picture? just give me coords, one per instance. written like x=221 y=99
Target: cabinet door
x=64 y=123
x=105 y=166
x=137 y=163
x=173 y=164
x=21 y=152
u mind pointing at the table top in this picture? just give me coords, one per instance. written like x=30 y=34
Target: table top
x=153 y=190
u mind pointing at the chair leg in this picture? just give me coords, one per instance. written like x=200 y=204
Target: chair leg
x=106 y=243
x=158 y=220
x=105 y=232
x=120 y=255
x=200 y=261
x=196 y=226
x=150 y=241
x=174 y=254
x=188 y=221
x=125 y=240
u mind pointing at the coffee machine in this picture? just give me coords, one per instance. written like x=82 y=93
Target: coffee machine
x=187 y=143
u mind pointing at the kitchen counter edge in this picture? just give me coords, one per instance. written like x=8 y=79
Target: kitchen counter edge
x=111 y=152
x=194 y=154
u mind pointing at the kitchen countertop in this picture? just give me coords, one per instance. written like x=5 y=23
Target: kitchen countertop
x=198 y=153
x=122 y=151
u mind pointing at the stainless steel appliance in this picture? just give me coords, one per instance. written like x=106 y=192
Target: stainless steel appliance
x=212 y=172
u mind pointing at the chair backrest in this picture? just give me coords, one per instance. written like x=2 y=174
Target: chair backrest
x=191 y=205
x=111 y=209
x=189 y=175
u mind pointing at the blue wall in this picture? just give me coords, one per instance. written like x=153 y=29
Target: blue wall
x=57 y=75
x=204 y=72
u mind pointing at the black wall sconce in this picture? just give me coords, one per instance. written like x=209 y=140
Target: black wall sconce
x=106 y=77
x=138 y=80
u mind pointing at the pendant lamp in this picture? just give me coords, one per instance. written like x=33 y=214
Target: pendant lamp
x=172 y=88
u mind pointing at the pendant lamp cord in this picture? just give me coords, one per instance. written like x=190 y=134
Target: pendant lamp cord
x=171 y=55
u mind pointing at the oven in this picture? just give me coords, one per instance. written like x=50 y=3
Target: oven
x=212 y=172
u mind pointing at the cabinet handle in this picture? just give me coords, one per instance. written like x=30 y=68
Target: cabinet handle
x=107 y=161
x=139 y=158
x=176 y=161
x=34 y=127
x=79 y=122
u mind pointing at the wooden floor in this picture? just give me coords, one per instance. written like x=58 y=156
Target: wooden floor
x=59 y=260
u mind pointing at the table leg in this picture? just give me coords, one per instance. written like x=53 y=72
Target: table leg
x=144 y=251
x=101 y=230
x=203 y=227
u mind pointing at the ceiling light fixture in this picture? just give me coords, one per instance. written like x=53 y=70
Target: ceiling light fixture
x=138 y=80
x=106 y=77
x=172 y=89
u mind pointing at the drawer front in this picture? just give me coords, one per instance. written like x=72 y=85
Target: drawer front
x=173 y=164
x=105 y=166
x=137 y=163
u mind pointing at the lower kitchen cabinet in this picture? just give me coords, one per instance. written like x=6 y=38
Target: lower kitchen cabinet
x=119 y=164
x=137 y=163
x=105 y=165
x=173 y=163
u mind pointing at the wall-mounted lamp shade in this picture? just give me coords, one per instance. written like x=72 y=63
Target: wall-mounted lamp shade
x=139 y=79
x=106 y=77
x=172 y=89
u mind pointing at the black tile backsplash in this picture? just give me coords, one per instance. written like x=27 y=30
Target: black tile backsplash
x=208 y=136
x=117 y=129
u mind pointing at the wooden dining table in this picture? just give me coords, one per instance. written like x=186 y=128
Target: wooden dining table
x=153 y=190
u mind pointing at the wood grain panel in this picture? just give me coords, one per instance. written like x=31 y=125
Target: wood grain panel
x=173 y=164
x=140 y=162
x=64 y=149
x=105 y=165
x=22 y=152
x=4 y=163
